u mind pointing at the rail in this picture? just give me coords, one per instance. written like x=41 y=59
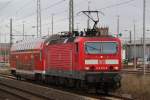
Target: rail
x=49 y=93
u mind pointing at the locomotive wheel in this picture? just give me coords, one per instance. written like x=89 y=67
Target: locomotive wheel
x=47 y=80
x=38 y=78
x=56 y=79
x=65 y=82
x=119 y=84
x=103 y=90
x=78 y=84
x=71 y=83
x=84 y=86
x=106 y=89
x=61 y=81
x=97 y=90
x=51 y=80
x=18 y=77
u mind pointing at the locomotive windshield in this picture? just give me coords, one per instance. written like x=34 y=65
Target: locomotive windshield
x=100 y=47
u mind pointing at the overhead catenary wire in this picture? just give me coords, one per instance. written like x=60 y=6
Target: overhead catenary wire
x=59 y=20
x=110 y=6
x=64 y=11
x=33 y=13
x=3 y=7
x=61 y=1
x=19 y=9
x=23 y=7
x=57 y=3
x=116 y=5
x=107 y=7
x=64 y=19
x=13 y=29
x=56 y=13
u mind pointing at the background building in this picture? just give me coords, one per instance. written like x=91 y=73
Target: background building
x=137 y=50
x=4 y=52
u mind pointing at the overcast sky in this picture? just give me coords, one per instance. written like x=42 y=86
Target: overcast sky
x=24 y=11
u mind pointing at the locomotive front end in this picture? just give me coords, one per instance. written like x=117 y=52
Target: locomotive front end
x=102 y=62
x=101 y=56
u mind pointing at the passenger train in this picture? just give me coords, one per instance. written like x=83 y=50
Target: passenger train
x=86 y=59
x=92 y=60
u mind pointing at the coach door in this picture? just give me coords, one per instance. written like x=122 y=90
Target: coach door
x=17 y=62
x=32 y=61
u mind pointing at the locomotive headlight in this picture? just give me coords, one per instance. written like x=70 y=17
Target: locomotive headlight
x=116 y=68
x=87 y=68
x=91 y=61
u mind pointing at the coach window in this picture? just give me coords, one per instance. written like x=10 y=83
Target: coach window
x=77 y=48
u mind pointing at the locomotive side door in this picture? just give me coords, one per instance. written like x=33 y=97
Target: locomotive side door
x=47 y=57
x=76 y=63
x=71 y=62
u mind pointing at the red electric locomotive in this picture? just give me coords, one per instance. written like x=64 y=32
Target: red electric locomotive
x=76 y=59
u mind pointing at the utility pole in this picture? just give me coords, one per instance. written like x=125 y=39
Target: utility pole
x=52 y=24
x=5 y=50
x=88 y=21
x=144 y=44
x=134 y=47
x=130 y=36
x=11 y=37
x=48 y=31
x=0 y=45
x=71 y=21
x=11 y=34
x=71 y=16
x=39 y=21
x=23 y=31
x=130 y=33
x=118 y=25
x=77 y=26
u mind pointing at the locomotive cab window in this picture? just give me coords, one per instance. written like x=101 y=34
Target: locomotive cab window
x=101 y=47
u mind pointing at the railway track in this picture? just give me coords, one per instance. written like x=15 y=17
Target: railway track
x=19 y=93
x=29 y=91
x=131 y=71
